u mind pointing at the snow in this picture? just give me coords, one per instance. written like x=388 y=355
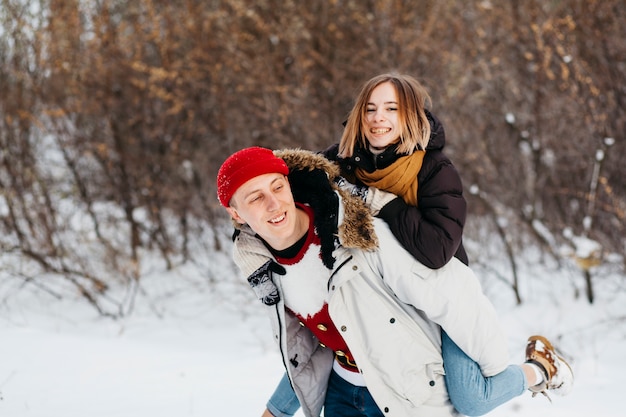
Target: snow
x=195 y=348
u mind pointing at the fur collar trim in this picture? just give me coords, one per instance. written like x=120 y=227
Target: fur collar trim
x=312 y=179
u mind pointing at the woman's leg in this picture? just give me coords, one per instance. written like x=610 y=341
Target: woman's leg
x=470 y=392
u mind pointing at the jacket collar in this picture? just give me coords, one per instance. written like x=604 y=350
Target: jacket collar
x=338 y=214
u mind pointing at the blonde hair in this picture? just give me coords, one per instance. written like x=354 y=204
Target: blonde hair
x=412 y=99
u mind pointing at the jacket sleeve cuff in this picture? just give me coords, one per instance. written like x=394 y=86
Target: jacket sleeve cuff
x=392 y=209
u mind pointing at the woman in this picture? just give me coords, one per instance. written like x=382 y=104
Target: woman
x=391 y=142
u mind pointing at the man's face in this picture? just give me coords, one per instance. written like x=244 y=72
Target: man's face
x=266 y=204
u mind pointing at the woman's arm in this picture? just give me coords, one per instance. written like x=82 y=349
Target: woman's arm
x=431 y=232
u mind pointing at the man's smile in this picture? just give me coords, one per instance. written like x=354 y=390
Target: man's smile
x=278 y=219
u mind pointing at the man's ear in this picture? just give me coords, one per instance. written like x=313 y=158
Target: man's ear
x=233 y=213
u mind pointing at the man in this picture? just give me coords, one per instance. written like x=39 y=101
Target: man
x=344 y=293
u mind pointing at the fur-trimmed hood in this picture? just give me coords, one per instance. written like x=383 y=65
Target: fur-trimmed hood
x=312 y=178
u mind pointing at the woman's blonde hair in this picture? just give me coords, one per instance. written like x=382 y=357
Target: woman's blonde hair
x=412 y=99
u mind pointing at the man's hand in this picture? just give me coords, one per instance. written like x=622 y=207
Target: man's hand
x=267 y=413
x=262 y=284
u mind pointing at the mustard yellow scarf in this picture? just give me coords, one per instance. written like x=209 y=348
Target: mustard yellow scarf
x=399 y=178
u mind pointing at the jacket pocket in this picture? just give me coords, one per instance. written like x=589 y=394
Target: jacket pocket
x=428 y=385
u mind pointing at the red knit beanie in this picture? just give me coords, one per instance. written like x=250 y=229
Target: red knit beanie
x=244 y=165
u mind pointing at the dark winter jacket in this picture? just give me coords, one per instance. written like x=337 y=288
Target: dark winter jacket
x=432 y=231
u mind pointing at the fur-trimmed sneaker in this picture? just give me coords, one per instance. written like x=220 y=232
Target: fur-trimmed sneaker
x=559 y=377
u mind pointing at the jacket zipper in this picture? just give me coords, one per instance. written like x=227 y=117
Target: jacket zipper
x=337 y=270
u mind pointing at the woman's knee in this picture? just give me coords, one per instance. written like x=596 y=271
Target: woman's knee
x=471 y=409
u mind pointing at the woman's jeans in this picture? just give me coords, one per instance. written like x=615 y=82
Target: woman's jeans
x=470 y=392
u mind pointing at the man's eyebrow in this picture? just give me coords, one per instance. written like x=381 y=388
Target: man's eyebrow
x=257 y=190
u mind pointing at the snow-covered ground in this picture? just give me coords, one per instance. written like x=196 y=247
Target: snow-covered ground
x=194 y=348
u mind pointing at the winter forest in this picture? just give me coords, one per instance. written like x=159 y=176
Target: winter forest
x=115 y=116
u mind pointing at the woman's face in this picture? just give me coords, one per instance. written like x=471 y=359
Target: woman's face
x=381 y=125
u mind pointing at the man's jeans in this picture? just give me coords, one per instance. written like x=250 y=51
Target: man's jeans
x=283 y=402
x=470 y=392
x=346 y=400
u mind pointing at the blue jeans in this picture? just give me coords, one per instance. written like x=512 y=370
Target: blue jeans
x=283 y=402
x=346 y=400
x=342 y=400
x=470 y=392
